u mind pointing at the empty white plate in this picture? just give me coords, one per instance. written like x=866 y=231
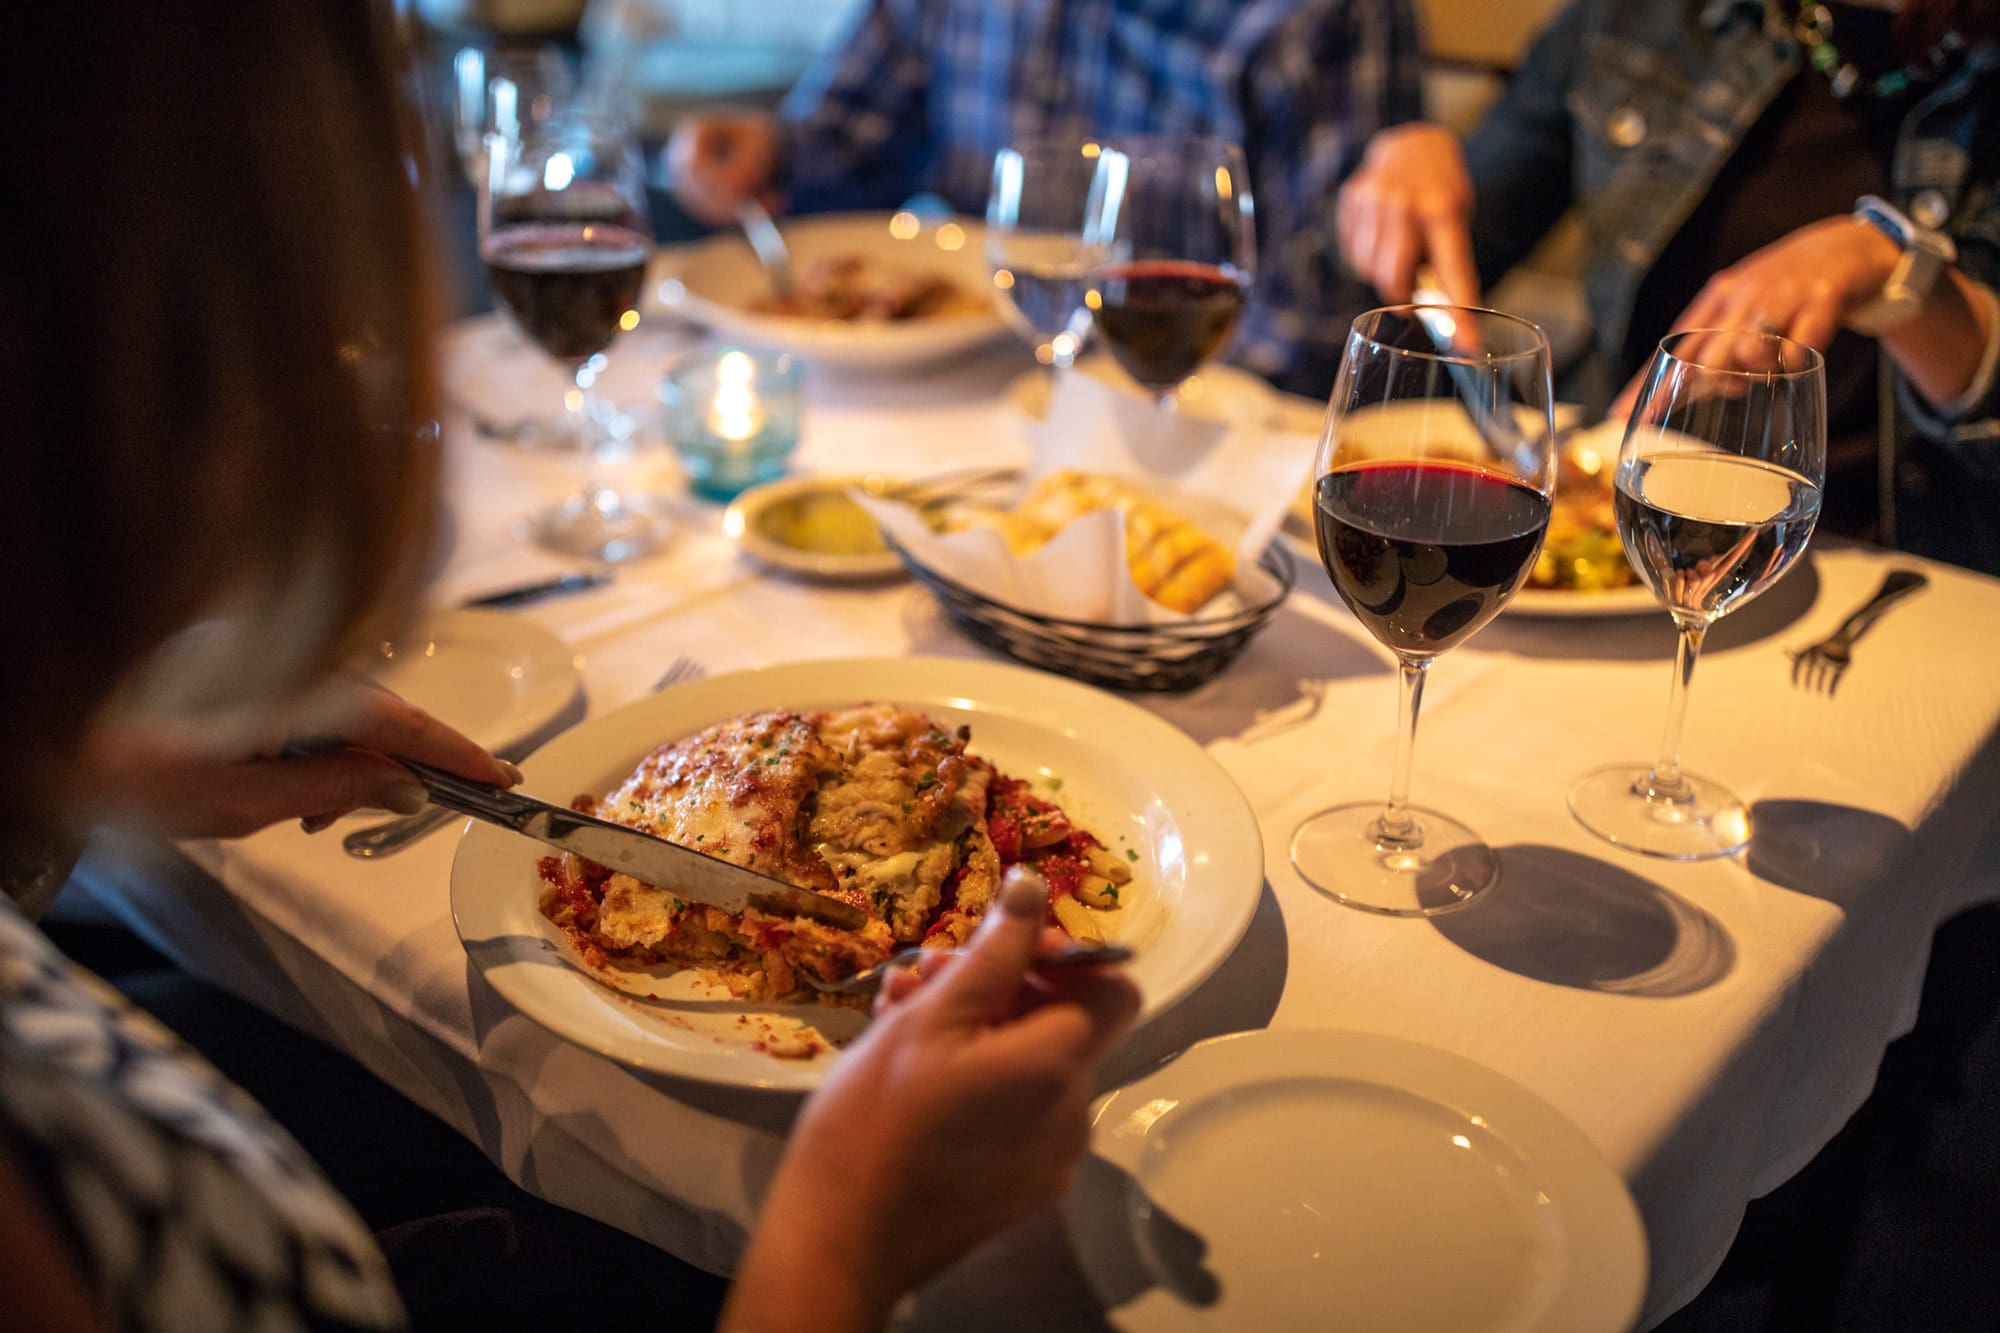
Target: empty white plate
x=1340 y=1180
x=500 y=680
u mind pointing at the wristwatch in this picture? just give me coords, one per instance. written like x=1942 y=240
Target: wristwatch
x=1925 y=253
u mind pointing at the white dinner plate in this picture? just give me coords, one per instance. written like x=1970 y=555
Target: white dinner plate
x=1139 y=783
x=1346 y=1181
x=717 y=282
x=498 y=679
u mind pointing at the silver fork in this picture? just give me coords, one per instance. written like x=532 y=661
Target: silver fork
x=1820 y=666
x=386 y=839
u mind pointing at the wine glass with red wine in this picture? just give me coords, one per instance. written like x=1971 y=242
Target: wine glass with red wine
x=1174 y=230
x=1717 y=490
x=564 y=236
x=1431 y=493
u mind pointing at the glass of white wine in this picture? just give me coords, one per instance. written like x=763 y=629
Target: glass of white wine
x=1717 y=489
x=1035 y=247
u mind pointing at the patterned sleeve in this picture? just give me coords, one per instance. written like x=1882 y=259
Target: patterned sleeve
x=854 y=133
x=187 y=1207
x=1315 y=82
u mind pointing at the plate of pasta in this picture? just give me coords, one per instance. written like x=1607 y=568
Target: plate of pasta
x=906 y=786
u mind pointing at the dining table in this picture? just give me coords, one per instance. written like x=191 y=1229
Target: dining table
x=1708 y=1025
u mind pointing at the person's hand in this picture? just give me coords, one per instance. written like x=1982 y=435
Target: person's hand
x=963 y=1108
x=1410 y=203
x=716 y=161
x=171 y=784
x=1800 y=286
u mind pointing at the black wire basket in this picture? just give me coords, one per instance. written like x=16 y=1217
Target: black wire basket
x=1176 y=656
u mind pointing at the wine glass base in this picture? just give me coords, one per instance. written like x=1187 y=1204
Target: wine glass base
x=1707 y=820
x=610 y=526
x=1338 y=852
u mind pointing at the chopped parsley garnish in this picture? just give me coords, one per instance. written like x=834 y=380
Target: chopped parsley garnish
x=1052 y=783
x=1111 y=892
x=928 y=780
x=907 y=807
x=1131 y=855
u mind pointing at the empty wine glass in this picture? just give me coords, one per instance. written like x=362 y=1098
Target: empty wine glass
x=496 y=92
x=1431 y=492
x=564 y=236
x=1174 y=230
x=1035 y=247
x=1718 y=486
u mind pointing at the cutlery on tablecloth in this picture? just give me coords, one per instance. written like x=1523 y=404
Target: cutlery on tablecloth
x=392 y=836
x=679 y=870
x=540 y=590
x=1820 y=666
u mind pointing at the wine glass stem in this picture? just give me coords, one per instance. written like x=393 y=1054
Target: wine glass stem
x=1665 y=782
x=581 y=421
x=1397 y=825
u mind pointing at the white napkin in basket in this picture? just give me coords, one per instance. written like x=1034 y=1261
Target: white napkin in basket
x=1234 y=479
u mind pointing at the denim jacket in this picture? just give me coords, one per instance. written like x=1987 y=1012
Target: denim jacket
x=1629 y=112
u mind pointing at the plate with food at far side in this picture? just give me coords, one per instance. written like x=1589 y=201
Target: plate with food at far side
x=872 y=292
x=903 y=785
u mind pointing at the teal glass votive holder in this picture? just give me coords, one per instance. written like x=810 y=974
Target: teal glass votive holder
x=733 y=417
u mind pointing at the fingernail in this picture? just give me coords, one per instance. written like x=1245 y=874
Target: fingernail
x=1023 y=892
x=317 y=823
x=513 y=773
x=407 y=798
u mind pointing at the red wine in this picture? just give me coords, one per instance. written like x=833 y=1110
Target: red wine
x=568 y=285
x=1163 y=318
x=1426 y=553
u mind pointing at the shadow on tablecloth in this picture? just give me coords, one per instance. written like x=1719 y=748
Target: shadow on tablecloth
x=1575 y=920
x=1823 y=849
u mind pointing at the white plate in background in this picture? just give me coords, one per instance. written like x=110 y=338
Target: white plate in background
x=497 y=678
x=717 y=282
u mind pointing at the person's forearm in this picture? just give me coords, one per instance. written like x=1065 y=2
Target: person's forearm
x=1939 y=351
x=785 y=1284
x=807 y=1267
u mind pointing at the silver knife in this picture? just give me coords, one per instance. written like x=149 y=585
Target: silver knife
x=678 y=870
x=562 y=584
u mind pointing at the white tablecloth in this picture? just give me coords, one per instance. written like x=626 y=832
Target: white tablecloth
x=1709 y=1026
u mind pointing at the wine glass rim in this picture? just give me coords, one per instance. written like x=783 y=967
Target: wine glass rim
x=1081 y=144
x=1813 y=363
x=1135 y=145
x=1540 y=347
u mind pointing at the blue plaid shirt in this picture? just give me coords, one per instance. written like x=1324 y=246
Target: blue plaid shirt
x=922 y=93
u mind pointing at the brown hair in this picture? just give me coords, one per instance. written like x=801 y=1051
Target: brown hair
x=214 y=337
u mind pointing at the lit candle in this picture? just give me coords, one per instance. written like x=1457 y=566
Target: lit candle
x=734 y=414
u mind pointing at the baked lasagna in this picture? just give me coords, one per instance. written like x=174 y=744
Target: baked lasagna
x=876 y=805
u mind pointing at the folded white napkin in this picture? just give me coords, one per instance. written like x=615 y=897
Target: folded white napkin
x=1233 y=479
